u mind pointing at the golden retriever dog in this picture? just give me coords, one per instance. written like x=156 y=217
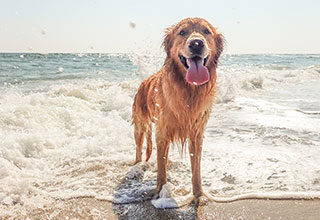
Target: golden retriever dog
x=179 y=98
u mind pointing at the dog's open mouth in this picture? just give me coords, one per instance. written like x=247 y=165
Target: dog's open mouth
x=184 y=60
x=197 y=72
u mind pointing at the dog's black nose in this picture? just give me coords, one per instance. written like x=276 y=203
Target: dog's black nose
x=196 y=46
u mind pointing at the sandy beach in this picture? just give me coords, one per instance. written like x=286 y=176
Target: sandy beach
x=91 y=208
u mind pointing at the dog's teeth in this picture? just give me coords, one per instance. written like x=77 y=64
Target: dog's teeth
x=195 y=83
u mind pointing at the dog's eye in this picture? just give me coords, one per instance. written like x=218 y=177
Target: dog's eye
x=182 y=32
x=206 y=31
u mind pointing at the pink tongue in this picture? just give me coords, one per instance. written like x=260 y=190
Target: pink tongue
x=197 y=74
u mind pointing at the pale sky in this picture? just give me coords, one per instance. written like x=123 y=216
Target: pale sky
x=249 y=26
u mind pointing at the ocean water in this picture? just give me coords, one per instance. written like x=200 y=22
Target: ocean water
x=65 y=129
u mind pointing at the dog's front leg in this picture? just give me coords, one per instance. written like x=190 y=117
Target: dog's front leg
x=195 y=149
x=162 y=158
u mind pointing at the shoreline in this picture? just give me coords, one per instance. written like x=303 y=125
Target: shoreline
x=91 y=208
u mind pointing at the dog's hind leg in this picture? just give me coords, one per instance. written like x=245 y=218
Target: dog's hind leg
x=149 y=142
x=139 y=130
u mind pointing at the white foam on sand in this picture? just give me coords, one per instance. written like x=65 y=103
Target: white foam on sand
x=164 y=200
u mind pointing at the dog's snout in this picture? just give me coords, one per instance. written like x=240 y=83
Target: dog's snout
x=196 y=46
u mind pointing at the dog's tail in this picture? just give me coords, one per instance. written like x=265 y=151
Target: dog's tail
x=149 y=142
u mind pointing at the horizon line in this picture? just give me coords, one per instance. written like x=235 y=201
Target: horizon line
x=253 y=53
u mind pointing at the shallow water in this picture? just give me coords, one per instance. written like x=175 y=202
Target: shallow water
x=65 y=122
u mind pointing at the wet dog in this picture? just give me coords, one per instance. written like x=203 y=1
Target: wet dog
x=179 y=98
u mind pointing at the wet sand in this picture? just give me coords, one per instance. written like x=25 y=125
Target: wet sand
x=91 y=208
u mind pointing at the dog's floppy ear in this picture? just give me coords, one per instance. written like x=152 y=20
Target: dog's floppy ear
x=219 y=47
x=167 y=41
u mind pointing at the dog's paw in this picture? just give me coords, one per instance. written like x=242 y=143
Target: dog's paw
x=202 y=200
x=136 y=162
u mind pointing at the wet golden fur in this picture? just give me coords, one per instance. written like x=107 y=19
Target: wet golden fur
x=179 y=110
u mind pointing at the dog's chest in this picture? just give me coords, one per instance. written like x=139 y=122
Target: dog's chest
x=187 y=108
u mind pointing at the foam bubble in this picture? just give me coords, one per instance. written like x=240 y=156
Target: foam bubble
x=132 y=24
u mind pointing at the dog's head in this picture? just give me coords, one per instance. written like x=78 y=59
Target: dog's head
x=194 y=46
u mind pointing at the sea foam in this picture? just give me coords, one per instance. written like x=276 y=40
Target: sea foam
x=74 y=138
